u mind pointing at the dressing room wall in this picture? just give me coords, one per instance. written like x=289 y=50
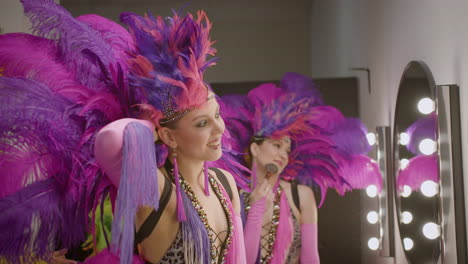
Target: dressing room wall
x=387 y=35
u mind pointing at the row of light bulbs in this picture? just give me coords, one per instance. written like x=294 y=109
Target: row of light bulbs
x=430 y=230
x=427 y=146
x=428 y=188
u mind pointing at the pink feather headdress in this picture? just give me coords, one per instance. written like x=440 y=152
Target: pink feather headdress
x=166 y=70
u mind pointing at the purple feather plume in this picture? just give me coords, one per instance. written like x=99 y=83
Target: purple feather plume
x=167 y=69
x=424 y=128
x=350 y=137
x=300 y=84
x=76 y=41
x=270 y=111
x=41 y=139
x=39 y=212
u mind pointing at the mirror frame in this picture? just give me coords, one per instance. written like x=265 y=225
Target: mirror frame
x=451 y=174
x=452 y=215
x=384 y=157
x=396 y=156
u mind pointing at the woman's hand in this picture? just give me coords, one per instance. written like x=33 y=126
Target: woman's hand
x=59 y=257
x=263 y=190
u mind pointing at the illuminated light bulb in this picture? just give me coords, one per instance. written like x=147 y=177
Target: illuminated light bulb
x=431 y=230
x=372 y=217
x=427 y=146
x=371 y=138
x=404 y=138
x=408 y=243
x=426 y=105
x=371 y=191
x=403 y=163
x=373 y=243
x=406 y=217
x=429 y=188
x=406 y=191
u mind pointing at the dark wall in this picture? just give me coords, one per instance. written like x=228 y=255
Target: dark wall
x=339 y=217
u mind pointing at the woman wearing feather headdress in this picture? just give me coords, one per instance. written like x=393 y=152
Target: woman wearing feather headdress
x=82 y=105
x=290 y=136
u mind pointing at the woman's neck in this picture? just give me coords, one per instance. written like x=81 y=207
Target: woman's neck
x=191 y=170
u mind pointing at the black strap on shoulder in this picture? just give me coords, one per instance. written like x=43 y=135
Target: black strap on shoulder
x=295 y=195
x=152 y=220
x=224 y=181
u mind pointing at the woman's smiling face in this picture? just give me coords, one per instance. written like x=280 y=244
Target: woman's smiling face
x=198 y=134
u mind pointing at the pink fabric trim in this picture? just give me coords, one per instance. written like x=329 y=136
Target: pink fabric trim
x=253 y=230
x=309 y=249
x=240 y=255
x=108 y=147
x=236 y=252
x=108 y=257
x=284 y=234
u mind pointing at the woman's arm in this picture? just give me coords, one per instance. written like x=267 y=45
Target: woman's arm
x=309 y=249
x=260 y=197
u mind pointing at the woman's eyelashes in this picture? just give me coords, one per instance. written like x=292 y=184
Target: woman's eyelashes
x=279 y=146
x=203 y=123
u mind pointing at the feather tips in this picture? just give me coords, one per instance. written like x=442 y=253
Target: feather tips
x=170 y=60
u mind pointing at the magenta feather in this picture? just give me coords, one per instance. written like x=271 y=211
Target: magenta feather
x=270 y=111
x=171 y=58
x=76 y=40
x=419 y=169
x=360 y=172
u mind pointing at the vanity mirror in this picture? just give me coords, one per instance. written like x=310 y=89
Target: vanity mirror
x=428 y=169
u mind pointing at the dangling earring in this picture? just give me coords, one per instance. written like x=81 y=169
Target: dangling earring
x=180 y=206
x=253 y=175
x=207 y=184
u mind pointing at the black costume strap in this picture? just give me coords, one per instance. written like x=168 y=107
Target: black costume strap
x=152 y=220
x=295 y=195
x=224 y=181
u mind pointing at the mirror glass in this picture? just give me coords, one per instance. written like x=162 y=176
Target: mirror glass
x=416 y=165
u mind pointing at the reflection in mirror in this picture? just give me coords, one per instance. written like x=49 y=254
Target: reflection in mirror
x=416 y=163
x=378 y=216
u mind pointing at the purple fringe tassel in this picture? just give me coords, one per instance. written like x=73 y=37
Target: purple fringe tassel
x=196 y=242
x=138 y=187
x=181 y=217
